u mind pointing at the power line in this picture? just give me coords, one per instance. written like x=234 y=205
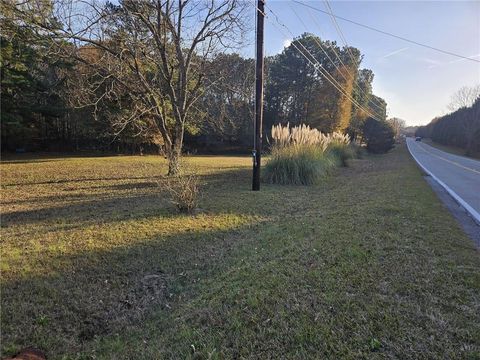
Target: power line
x=322 y=48
x=319 y=68
x=349 y=51
x=388 y=33
x=329 y=77
x=316 y=66
x=341 y=62
x=339 y=31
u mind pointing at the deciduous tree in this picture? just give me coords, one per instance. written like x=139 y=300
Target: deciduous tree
x=152 y=54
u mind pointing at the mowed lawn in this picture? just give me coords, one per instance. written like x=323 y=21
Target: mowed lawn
x=96 y=264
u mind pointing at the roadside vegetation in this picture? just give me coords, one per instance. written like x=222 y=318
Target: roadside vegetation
x=304 y=156
x=96 y=263
x=459 y=129
x=66 y=89
x=379 y=136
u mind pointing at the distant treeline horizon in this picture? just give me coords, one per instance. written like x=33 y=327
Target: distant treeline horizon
x=60 y=94
x=459 y=128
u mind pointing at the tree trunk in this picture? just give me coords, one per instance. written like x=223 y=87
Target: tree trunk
x=173 y=163
x=174 y=154
x=175 y=151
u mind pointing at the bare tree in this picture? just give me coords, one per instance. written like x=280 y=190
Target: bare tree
x=149 y=54
x=467 y=97
x=464 y=97
x=397 y=125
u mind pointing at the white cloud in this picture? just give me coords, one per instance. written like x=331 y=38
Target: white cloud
x=434 y=63
x=393 y=53
x=431 y=63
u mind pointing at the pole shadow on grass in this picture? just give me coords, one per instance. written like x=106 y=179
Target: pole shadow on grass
x=98 y=293
x=73 y=298
x=162 y=283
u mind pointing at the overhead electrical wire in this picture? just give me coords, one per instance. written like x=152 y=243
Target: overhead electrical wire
x=319 y=67
x=388 y=33
x=347 y=47
x=339 y=31
x=343 y=64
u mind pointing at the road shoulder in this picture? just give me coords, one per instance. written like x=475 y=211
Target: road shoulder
x=463 y=218
x=469 y=209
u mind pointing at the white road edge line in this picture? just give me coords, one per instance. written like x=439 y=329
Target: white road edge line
x=447 y=160
x=468 y=208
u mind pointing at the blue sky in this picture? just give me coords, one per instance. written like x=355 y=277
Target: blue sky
x=416 y=82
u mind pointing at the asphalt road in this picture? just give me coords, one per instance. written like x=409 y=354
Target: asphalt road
x=459 y=175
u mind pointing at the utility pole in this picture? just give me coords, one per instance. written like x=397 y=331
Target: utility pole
x=257 y=143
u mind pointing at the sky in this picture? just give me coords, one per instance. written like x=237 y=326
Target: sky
x=416 y=82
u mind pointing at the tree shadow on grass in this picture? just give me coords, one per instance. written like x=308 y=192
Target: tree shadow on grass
x=42 y=157
x=95 y=293
x=29 y=161
x=117 y=202
x=60 y=301
x=66 y=181
x=92 y=211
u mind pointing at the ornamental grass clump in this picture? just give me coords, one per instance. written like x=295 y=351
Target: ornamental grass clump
x=303 y=156
x=340 y=148
x=300 y=164
x=341 y=153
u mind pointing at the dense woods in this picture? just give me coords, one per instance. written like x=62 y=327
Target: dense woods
x=461 y=127
x=162 y=80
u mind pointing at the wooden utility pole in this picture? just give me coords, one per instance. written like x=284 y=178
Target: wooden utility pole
x=257 y=143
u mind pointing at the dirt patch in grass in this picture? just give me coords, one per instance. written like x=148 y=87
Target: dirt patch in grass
x=366 y=265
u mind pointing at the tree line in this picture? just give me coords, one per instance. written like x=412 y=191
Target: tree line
x=163 y=76
x=460 y=127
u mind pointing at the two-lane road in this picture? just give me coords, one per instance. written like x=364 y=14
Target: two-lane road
x=459 y=175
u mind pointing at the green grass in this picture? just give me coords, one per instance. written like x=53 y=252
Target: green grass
x=368 y=264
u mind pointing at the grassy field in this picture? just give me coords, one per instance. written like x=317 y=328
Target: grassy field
x=96 y=264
